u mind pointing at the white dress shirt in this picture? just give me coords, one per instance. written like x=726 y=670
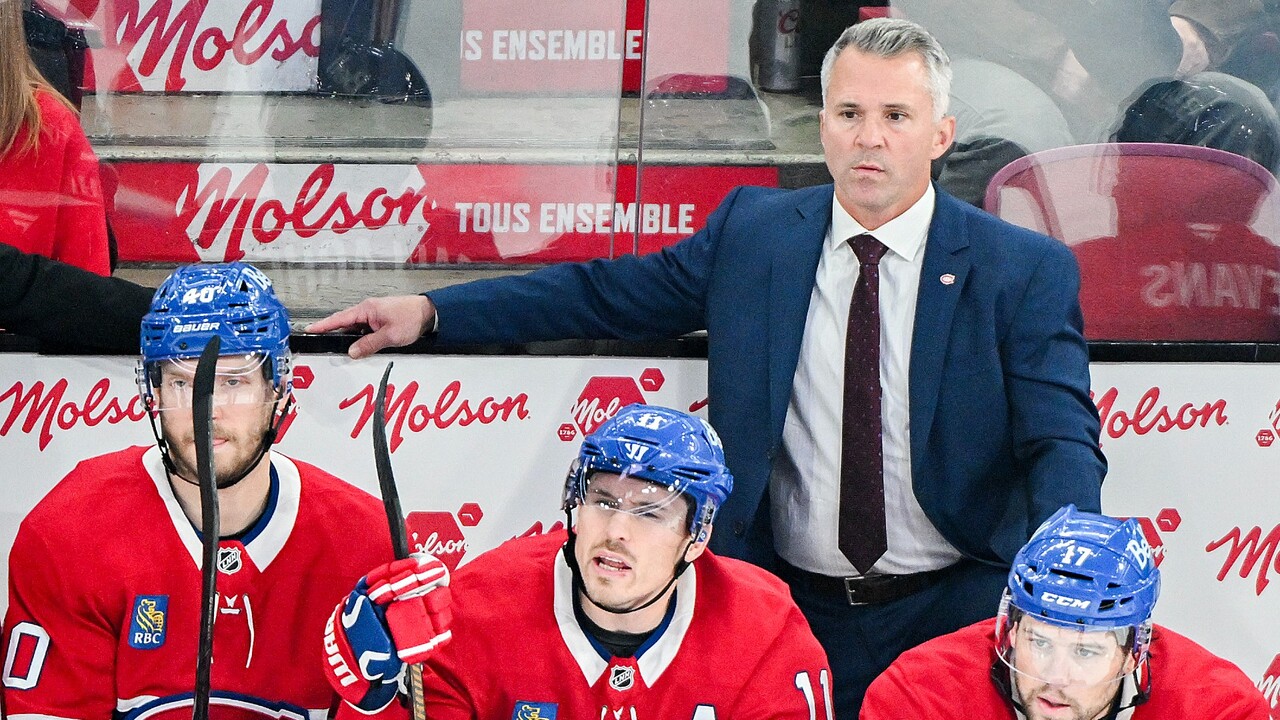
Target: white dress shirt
x=805 y=484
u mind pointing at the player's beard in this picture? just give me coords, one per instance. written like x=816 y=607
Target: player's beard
x=1078 y=711
x=233 y=460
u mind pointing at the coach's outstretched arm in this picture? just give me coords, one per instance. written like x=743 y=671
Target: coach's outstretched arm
x=659 y=295
x=395 y=321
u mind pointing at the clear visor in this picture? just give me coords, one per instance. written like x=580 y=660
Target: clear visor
x=652 y=504
x=239 y=380
x=1057 y=655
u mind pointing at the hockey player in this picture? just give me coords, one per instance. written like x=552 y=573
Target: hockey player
x=626 y=616
x=104 y=576
x=1073 y=640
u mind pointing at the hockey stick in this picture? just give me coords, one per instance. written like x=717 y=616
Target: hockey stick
x=202 y=417
x=395 y=518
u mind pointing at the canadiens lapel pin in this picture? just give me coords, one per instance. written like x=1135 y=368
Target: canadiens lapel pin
x=948 y=279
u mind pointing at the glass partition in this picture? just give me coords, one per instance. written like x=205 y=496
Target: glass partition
x=343 y=143
x=358 y=147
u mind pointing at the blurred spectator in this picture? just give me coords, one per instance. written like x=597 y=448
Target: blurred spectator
x=65 y=306
x=50 y=190
x=1035 y=74
x=1208 y=109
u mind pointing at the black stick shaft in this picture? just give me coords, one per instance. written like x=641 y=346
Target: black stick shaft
x=395 y=518
x=202 y=418
x=386 y=477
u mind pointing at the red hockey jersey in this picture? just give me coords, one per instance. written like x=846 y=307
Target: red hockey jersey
x=735 y=647
x=104 y=595
x=950 y=677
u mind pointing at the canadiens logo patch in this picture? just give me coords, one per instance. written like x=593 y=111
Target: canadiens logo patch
x=526 y=710
x=149 y=622
x=229 y=561
x=622 y=677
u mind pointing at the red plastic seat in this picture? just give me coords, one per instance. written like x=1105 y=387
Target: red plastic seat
x=1175 y=242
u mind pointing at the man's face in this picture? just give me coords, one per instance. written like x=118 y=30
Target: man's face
x=631 y=534
x=242 y=407
x=879 y=135
x=1066 y=674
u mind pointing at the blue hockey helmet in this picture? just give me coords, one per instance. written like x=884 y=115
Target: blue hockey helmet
x=676 y=450
x=1086 y=572
x=233 y=301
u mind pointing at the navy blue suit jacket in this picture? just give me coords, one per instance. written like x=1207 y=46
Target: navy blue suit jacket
x=1003 y=431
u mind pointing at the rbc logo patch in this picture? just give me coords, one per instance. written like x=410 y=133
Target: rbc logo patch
x=526 y=710
x=149 y=622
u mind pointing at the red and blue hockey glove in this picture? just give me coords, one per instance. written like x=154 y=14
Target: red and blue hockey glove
x=397 y=614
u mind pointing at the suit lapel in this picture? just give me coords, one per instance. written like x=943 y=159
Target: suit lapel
x=946 y=254
x=797 y=246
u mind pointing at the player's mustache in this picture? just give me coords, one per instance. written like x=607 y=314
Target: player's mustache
x=618 y=549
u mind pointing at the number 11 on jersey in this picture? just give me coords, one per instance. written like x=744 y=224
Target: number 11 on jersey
x=804 y=683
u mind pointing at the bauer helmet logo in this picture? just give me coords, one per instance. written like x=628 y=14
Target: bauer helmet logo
x=205 y=326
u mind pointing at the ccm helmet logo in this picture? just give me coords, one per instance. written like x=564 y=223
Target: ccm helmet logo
x=1065 y=601
x=196 y=327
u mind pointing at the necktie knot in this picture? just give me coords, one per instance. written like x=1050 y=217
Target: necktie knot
x=868 y=249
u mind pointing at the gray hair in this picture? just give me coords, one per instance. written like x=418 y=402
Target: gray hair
x=889 y=38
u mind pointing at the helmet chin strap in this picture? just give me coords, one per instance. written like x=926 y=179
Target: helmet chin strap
x=572 y=559
x=268 y=439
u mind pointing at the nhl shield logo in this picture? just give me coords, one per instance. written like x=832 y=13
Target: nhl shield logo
x=229 y=560
x=622 y=677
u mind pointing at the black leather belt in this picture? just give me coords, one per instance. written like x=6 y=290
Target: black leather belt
x=871 y=589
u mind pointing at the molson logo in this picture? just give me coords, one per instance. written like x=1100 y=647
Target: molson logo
x=1270 y=685
x=1251 y=550
x=47 y=406
x=603 y=397
x=448 y=408
x=238 y=210
x=1151 y=414
x=163 y=45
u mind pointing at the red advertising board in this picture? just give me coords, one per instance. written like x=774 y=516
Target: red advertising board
x=183 y=212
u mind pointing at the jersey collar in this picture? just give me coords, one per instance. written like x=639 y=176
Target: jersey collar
x=268 y=536
x=659 y=650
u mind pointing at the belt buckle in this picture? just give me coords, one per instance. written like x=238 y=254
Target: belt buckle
x=851 y=591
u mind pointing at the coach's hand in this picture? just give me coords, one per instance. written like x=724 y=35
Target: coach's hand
x=398 y=614
x=395 y=321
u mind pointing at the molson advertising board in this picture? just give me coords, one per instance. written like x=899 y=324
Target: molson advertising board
x=481 y=445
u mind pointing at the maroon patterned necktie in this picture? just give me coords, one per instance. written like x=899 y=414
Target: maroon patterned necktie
x=862 y=528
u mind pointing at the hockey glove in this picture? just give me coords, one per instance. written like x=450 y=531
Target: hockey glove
x=415 y=593
x=404 y=604
x=361 y=663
